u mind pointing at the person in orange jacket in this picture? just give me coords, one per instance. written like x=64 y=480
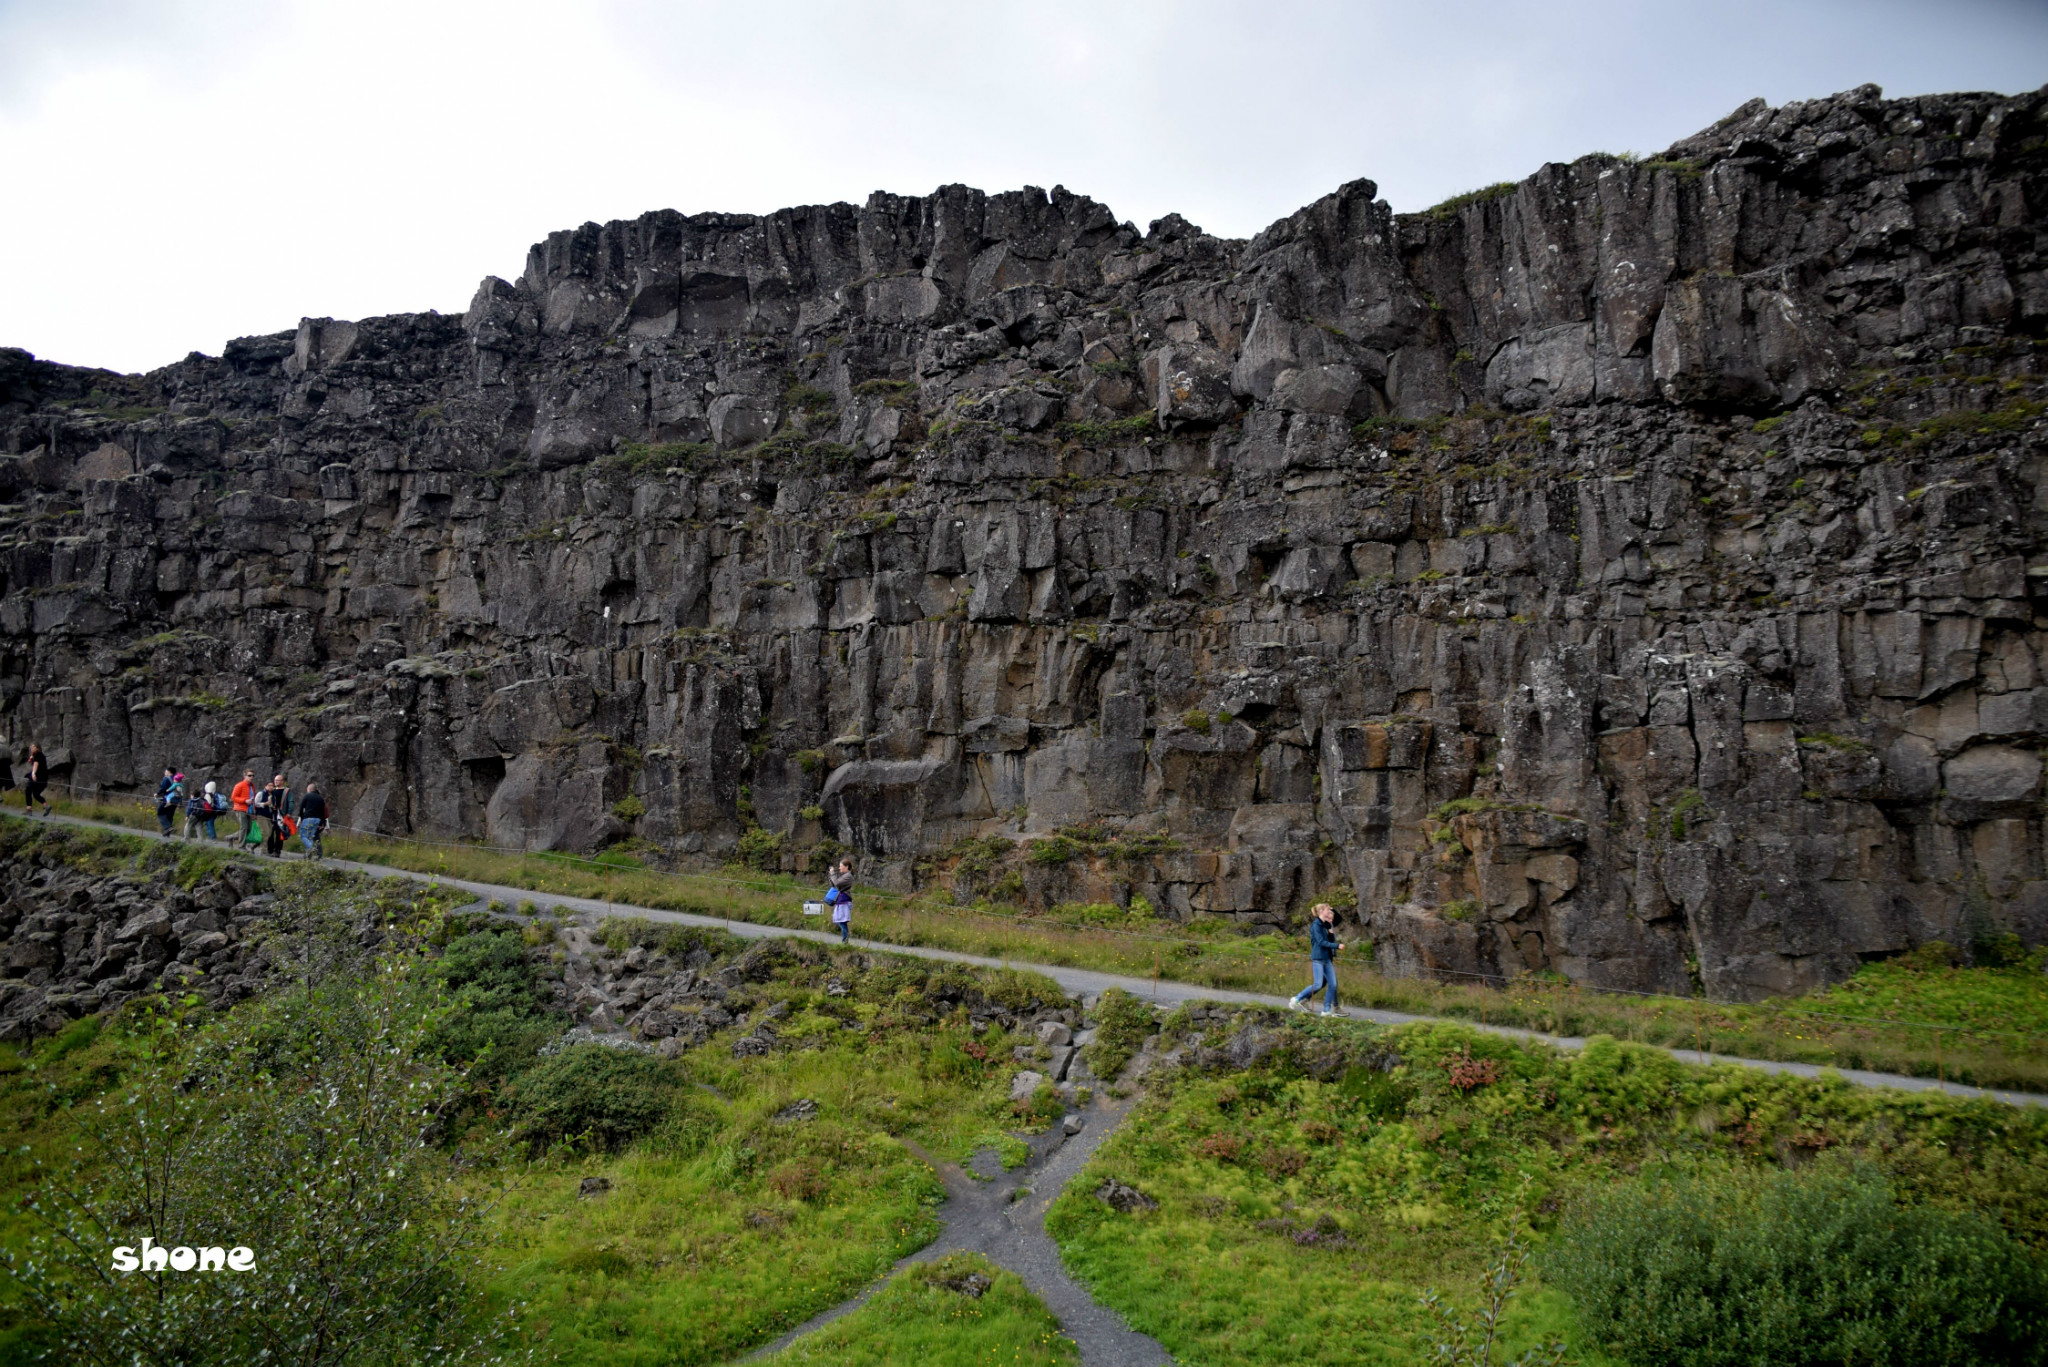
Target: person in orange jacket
x=240 y=796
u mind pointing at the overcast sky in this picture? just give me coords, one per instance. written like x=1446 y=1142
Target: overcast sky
x=179 y=172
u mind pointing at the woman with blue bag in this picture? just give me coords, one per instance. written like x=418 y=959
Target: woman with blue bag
x=839 y=897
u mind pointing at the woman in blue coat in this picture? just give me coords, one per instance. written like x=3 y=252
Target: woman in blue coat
x=1323 y=945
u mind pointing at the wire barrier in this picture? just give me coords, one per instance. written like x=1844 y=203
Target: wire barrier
x=1513 y=987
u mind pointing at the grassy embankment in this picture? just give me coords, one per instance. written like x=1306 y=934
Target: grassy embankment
x=724 y=1222
x=1298 y=1218
x=1983 y=1026
x=1303 y=1204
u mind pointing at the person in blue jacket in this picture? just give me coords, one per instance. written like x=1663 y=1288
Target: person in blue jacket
x=1323 y=945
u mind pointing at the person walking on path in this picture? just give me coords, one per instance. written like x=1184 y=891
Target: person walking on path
x=312 y=820
x=170 y=795
x=198 y=814
x=214 y=805
x=1323 y=945
x=842 y=902
x=38 y=780
x=274 y=805
x=242 y=795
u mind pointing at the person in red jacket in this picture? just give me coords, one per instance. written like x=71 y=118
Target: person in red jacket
x=240 y=796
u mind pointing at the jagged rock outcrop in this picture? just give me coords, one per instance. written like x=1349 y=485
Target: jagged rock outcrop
x=1630 y=573
x=78 y=942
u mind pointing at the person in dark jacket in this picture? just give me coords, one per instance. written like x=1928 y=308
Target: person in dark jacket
x=38 y=780
x=312 y=819
x=273 y=804
x=1323 y=945
x=842 y=904
x=170 y=795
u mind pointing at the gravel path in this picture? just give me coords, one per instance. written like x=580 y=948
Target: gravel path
x=1001 y=1215
x=1091 y=984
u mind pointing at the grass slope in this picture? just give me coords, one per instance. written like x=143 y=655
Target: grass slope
x=727 y=1226
x=1306 y=1202
x=920 y=1319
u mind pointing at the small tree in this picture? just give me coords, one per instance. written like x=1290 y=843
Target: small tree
x=1457 y=1344
x=299 y=1128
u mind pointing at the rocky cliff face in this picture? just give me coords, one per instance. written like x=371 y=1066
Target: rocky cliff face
x=76 y=937
x=1630 y=573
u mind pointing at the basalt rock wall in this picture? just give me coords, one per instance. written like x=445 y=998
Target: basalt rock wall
x=1629 y=573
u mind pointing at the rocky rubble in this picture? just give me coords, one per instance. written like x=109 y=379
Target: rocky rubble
x=647 y=997
x=1630 y=574
x=77 y=943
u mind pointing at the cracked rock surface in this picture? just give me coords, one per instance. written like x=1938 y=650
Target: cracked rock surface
x=1630 y=573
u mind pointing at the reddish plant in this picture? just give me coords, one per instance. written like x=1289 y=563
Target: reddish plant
x=1469 y=1074
x=1280 y=1161
x=798 y=1182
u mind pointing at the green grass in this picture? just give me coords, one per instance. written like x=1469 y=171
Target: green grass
x=1981 y=1040
x=728 y=1227
x=917 y=1319
x=690 y=1261
x=724 y=1226
x=1421 y=1170
x=39 y=1089
x=1451 y=207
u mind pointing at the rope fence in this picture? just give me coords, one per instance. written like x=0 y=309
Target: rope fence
x=1509 y=986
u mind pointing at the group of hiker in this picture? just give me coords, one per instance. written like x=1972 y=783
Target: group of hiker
x=269 y=815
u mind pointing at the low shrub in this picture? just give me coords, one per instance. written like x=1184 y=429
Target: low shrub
x=500 y=1008
x=1121 y=1024
x=1817 y=1268
x=797 y=1181
x=590 y=1095
x=761 y=849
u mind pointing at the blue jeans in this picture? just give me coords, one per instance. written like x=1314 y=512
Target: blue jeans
x=309 y=832
x=842 y=926
x=1324 y=975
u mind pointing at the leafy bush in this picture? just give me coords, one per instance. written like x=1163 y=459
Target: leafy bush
x=1121 y=1024
x=1793 y=1269
x=1054 y=851
x=1042 y=1107
x=761 y=849
x=293 y=1128
x=497 y=996
x=590 y=1095
x=1100 y=913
